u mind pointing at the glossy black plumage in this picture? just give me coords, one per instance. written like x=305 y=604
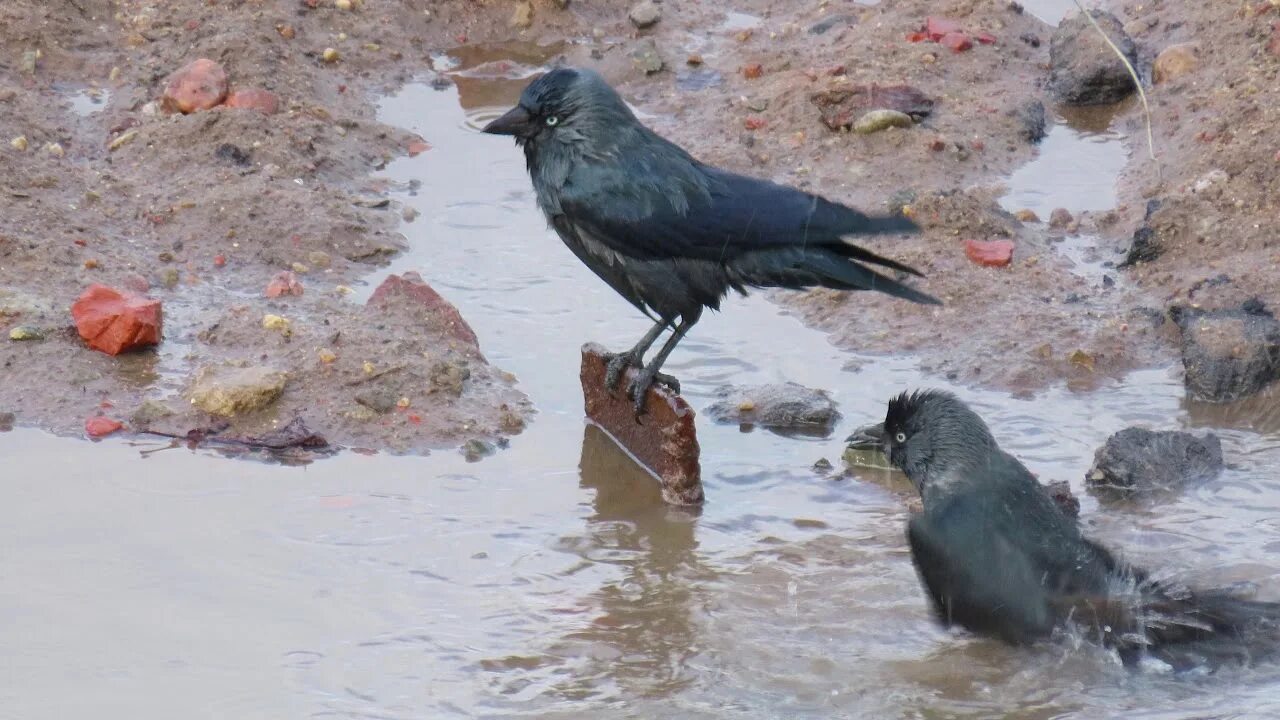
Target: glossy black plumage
x=996 y=556
x=670 y=234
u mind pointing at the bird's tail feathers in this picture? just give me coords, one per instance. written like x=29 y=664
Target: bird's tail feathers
x=798 y=268
x=849 y=250
x=1183 y=628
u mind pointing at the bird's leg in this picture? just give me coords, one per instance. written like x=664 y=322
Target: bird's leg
x=650 y=373
x=617 y=363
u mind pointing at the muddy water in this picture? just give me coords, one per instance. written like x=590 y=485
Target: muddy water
x=549 y=580
x=1078 y=164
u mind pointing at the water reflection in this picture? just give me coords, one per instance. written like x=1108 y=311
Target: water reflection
x=642 y=629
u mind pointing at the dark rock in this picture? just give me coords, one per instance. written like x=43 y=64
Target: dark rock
x=1153 y=205
x=1228 y=354
x=475 y=450
x=1031 y=115
x=784 y=406
x=1137 y=462
x=1031 y=39
x=832 y=21
x=840 y=108
x=6 y=421
x=233 y=154
x=1084 y=68
x=1144 y=248
x=1067 y=502
x=664 y=439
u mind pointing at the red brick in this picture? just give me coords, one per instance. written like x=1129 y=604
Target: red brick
x=113 y=322
x=991 y=253
x=664 y=440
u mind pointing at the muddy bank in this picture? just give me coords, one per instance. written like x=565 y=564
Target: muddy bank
x=201 y=211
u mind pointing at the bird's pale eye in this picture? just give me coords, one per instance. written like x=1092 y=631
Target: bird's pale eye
x=552 y=120
x=900 y=438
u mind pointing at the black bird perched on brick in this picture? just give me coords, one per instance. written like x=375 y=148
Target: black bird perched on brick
x=668 y=233
x=996 y=555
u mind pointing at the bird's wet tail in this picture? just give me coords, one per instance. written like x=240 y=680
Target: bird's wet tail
x=1184 y=628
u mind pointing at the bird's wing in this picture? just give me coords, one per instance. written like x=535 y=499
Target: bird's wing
x=978 y=576
x=673 y=207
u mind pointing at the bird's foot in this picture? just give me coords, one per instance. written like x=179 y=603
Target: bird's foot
x=616 y=364
x=639 y=388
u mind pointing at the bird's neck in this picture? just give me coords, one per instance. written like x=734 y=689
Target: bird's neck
x=956 y=471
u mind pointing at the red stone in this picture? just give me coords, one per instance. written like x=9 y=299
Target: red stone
x=418 y=146
x=198 y=85
x=410 y=286
x=113 y=322
x=284 y=283
x=264 y=101
x=916 y=37
x=219 y=260
x=990 y=253
x=192 y=25
x=936 y=27
x=754 y=123
x=985 y=38
x=98 y=426
x=664 y=440
x=956 y=42
x=752 y=71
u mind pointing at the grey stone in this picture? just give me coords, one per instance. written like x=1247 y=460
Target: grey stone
x=1084 y=70
x=1141 y=462
x=1228 y=354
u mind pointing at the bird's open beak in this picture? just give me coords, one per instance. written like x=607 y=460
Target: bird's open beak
x=514 y=122
x=868 y=437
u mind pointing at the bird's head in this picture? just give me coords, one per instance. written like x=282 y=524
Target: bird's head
x=926 y=433
x=566 y=105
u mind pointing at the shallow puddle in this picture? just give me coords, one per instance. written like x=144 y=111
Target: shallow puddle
x=549 y=580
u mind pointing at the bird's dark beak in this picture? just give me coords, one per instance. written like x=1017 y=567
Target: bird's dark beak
x=868 y=437
x=514 y=122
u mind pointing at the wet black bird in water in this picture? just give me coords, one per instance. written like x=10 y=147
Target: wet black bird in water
x=668 y=233
x=997 y=557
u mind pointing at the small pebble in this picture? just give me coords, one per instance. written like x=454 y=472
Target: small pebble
x=330 y=55
x=55 y=149
x=645 y=14
x=26 y=332
x=276 y=322
x=877 y=120
x=19 y=143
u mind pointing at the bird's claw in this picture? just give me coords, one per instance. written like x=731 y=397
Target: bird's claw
x=616 y=364
x=639 y=388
